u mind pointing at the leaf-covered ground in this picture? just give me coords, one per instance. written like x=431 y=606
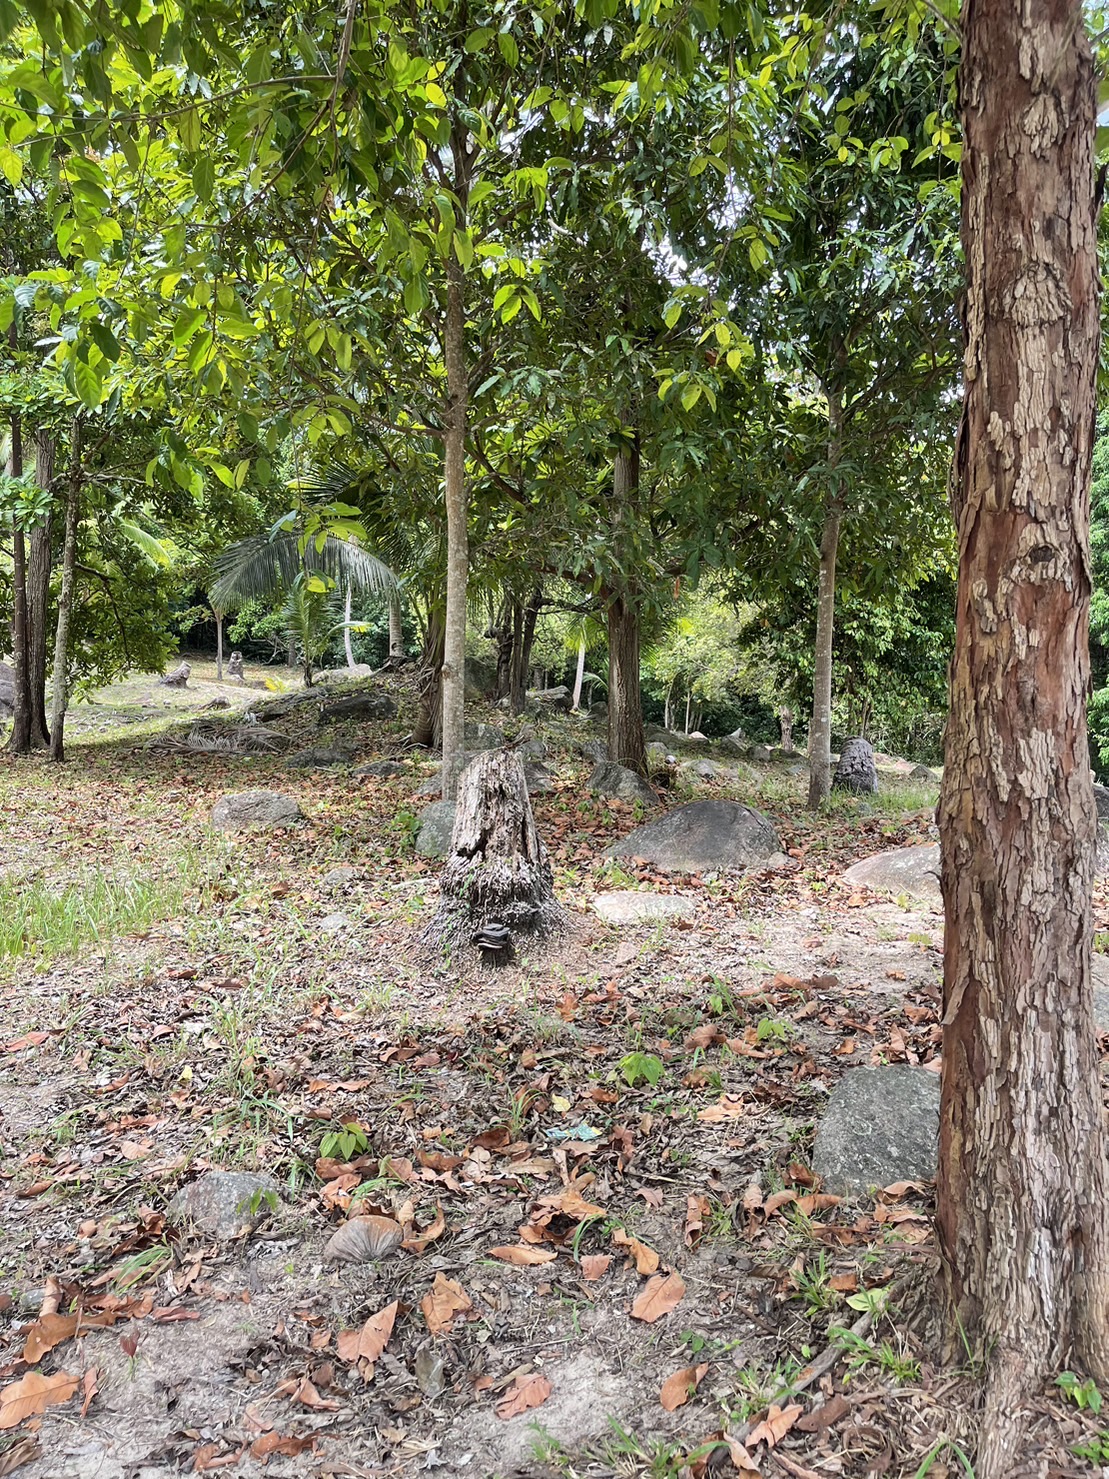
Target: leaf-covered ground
x=616 y=1260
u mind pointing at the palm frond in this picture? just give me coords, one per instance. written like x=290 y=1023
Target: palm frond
x=261 y=567
x=158 y=551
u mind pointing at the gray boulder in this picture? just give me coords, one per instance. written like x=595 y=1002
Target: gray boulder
x=481 y=679
x=553 y=698
x=360 y=706
x=629 y=906
x=736 y=742
x=532 y=749
x=339 y=876
x=856 y=769
x=255 y=809
x=901 y=870
x=539 y=779
x=224 y=1204
x=436 y=825
x=881 y=1126
x=703 y=836
x=382 y=770
x=761 y=752
x=483 y=737
x=595 y=750
x=617 y=781
x=922 y=773
x=319 y=757
x=1101 y=793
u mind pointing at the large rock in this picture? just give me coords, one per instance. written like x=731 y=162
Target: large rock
x=358 y=706
x=436 y=825
x=881 y=1126
x=856 y=770
x=701 y=836
x=902 y=870
x=225 y=1204
x=481 y=679
x=255 y=809
x=1101 y=793
x=483 y=737
x=628 y=906
x=610 y=779
x=552 y=698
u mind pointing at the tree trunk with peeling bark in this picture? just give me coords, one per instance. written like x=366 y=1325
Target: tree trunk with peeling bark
x=60 y=697
x=627 y=742
x=458 y=548
x=19 y=741
x=1023 y=1195
x=820 y=728
x=39 y=562
x=396 y=626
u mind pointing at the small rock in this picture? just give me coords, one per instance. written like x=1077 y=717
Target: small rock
x=881 y=1126
x=761 y=752
x=255 y=809
x=629 y=906
x=383 y=770
x=339 y=877
x=358 y=706
x=317 y=757
x=224 y=1204
x=922 y=773
x=610 y=779
x=539 y=779
x=856 y=770
x=335 y=924
x=533 y=749
x=436 y=825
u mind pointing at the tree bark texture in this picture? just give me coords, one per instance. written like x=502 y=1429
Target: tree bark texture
x=627 y=743
x=60 y=697
x=396 y=625
x=579 y=675
x=428 y=731
x=820 y=729
x=348 y=604
x=19 y=741
x=1023 y=1194
x=498 y=871
x=524 y=621
x=458 y=552
x=39 y=563
x=219 y=645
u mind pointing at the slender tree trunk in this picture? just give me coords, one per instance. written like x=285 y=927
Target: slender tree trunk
x=19 y=741
x=1023 y=1195
x=820 y=728
x=219 y=645
x=505 y=630
x=517 y=673
x=348 y=605
x=290 y=651
x=579 y=676
x=688 y=705
x=66 y=595
x=39 y=561
x=428 y=731
x=458 y=552
x=627 y=743
x=396 y=625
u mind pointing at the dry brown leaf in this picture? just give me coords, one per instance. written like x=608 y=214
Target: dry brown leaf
x=305 y=1393
x=677 y=1389
x=777 y=1201
x=45 y=1334
x=89 y=1388
x=525 y=1392
x=727 y=1107
x=416 y=1241
x=525 y=1255
x=646 y=1259
x=368 y=1343
x=22 y=1451
x=32 y=1394
x=594 y=1266
x=662 y=1294
x=775 y=1425
x=824 y=1417
x=284 y=1444
x=697 y=1208
x=571 y=1203
x=445 y=1300
x=741 y=1459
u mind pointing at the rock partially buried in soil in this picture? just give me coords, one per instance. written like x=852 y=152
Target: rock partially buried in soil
x=224 y=1204
x=703 y=836
x=358 y=706
x=339 y=877
x=382 y=770
x=881 y=1126
x=255 y=809
x=336 y=924
x=610 y=779
x=901 y=870
x=627 y=906
x=318 y=757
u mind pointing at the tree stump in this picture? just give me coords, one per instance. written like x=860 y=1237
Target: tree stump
x=497 y=872
x=179 y=678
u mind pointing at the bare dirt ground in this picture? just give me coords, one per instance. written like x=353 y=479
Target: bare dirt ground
x=616 y=1259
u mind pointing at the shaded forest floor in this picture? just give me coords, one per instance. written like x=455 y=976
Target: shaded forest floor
x=625 y=1117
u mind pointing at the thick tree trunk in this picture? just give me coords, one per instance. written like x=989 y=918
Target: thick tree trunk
x=219 y=645
x=19 y=741
x=1023 y=1197
x=579 y=676
x=39 y=562
x=458 y=550
x=627 y=743
x=396 y=626
x=820 y=728
x=498 y=871
x=66 y=597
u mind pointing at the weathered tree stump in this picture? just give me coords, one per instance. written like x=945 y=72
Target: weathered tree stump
x=179 y=678
x=497 y=872
x=235 y=672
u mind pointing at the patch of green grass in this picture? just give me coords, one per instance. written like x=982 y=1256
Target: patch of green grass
x=43 y=918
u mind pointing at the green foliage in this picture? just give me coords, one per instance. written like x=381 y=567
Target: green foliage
x=342 y=1144
x=641 y=1067
x=1085 y=1394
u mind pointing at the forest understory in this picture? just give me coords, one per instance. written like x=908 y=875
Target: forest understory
x=616 y=1261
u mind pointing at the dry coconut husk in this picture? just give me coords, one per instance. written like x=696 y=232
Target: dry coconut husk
x=364 y=1239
